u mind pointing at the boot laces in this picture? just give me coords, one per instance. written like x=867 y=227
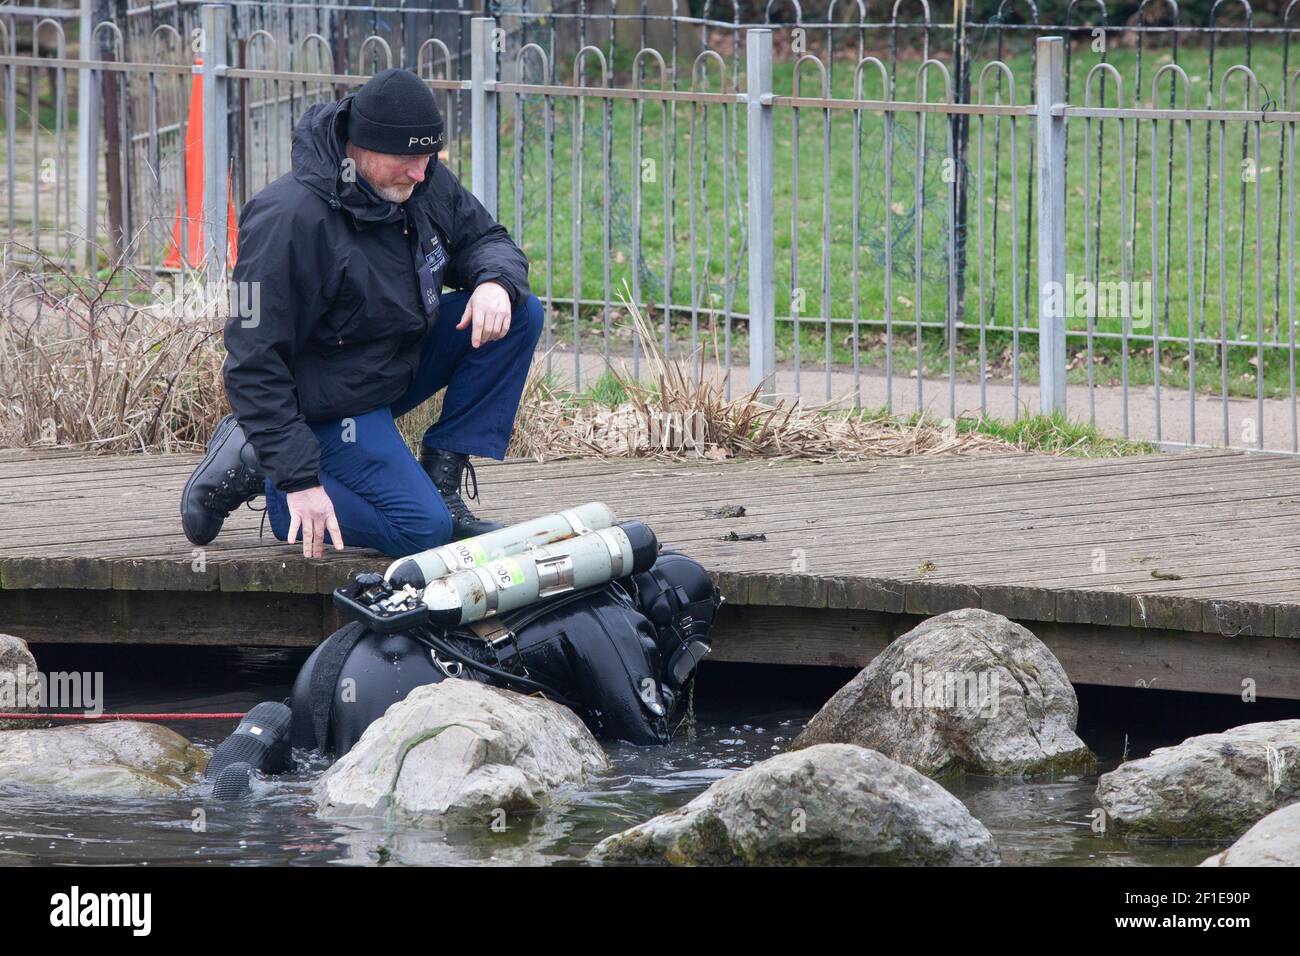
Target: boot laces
x=450 y=485
x=237 y=486
x=469 y=477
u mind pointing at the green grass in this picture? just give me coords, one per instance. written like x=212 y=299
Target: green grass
x=811 y=287
x=1230 y=301
x=1055 y=435
x=1109 y=364
x=607 y=391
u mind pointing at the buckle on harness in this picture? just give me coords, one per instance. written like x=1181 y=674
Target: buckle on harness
x=449 y=668
x=492 y=631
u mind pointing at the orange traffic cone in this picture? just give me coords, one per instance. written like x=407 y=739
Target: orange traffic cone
x=194 y=193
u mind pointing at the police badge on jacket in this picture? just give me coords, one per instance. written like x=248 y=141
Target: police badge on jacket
x=431 y=269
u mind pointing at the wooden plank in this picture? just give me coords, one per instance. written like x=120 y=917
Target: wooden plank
x=1103 y=607
x=994 y=527
x=60 y=616
x=1175 y=660
x=701 y=539
x=172 y=519
x=800 y=636
x=1112 y=656
x=511 y=475
x=1036 y=560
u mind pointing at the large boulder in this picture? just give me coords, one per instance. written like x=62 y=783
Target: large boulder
x=1273 y=841
x=112 y=759
x=19 y=690
x=461 y=752
x=966 y=691
x=832 y=803
x=1214 y=785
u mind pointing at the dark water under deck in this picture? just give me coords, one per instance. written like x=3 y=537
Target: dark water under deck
x=744 y=713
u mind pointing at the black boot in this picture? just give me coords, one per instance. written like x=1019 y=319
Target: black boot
x=228 y=476
x=448 y=469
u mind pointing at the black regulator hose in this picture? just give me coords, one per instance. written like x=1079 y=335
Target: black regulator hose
x=426 y=637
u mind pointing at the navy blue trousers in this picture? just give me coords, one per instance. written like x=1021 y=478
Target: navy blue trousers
x=382 y=498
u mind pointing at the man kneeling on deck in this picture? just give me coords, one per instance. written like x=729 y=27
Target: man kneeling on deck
x=348 y=255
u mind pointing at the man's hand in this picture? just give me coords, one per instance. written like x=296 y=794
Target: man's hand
x=312 y=510
x=489 y=310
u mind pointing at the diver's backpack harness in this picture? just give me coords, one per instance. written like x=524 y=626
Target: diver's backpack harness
x=523 y=683
x=618 y=653
x=325 y=674
x=596 y=640
x=574 y=606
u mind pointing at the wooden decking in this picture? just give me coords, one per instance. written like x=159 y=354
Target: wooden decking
x=1177 y=572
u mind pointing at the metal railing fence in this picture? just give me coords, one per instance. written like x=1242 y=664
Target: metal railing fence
x=893 y=222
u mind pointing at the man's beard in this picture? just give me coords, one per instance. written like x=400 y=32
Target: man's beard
x=398 y=194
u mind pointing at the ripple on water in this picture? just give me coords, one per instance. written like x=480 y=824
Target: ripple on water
x=1039 y=821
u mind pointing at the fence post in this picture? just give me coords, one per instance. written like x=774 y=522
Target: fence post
x=483 y=111
x=762 y=255
x=215 y=19
x=1049 y=89
x=87 y=127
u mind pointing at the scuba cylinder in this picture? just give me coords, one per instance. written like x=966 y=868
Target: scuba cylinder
x=418 y=570
x=619 y=655
x=508 y=583
x=599 y=621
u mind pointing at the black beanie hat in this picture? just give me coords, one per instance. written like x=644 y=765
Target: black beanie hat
x=395 y=112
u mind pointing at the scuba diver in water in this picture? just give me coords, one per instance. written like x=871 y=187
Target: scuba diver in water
x=344 y=260
x=575 y=606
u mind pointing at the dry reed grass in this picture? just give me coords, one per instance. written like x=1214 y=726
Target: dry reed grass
x=83 y=366
x=675 y=417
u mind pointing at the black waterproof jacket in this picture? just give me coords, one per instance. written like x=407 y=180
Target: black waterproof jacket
x=332 y=313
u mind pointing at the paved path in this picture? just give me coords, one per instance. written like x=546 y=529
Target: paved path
x=1279 y=431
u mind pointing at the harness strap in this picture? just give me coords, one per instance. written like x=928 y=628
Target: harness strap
x=325 y=678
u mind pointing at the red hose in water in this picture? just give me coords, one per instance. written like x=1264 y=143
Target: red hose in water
x=31 y=716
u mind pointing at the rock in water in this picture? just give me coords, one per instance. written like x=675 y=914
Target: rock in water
x=964 y=691
x=831 y=803
x=461 y=751
x=18 y=688
x=1273 y=841
x=112 y=759
x=1215 y=785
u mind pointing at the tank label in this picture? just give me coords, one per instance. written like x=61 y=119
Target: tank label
x=506 y=573
x=465 y=554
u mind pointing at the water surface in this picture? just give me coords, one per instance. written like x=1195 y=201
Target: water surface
x=743 y=714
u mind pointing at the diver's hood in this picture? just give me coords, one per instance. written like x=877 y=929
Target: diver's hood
x=318 y=152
